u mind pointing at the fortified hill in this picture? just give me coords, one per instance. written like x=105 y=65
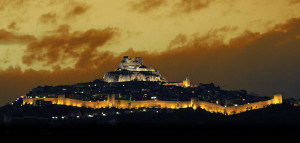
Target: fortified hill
x=134 y=86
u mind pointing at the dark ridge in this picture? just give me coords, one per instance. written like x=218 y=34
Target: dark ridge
x=276 y=119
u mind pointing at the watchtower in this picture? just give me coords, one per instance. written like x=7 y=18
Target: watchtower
x=111 y=100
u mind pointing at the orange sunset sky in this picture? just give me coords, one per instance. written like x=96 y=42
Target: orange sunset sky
x=236 y=44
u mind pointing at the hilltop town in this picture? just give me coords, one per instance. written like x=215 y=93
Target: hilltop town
x=133 y=85
x=136 y=95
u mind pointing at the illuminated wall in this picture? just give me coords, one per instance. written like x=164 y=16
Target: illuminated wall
x=277 y=99
x=184 y=83
x=126 y=104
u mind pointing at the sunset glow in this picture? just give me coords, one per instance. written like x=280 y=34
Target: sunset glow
x=249 y=44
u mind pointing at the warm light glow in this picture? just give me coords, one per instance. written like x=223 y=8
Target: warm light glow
x=124 y=104
x=184 y=83
x=63 y=42
x=160 y=23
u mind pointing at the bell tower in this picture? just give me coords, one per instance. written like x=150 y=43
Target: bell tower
x=186 y=82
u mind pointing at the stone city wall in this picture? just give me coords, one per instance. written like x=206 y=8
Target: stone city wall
x=127 y=104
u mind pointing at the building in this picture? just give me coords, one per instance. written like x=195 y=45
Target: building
x=132 y=69
x=184 y=83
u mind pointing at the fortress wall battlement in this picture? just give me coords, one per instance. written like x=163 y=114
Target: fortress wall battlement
x=127 y=104
x=277 y=99
x=153 y=104
x=211 y=107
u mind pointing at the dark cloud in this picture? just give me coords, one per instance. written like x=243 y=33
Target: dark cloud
x=14 y=4
x=178 y=6
x=293 y=1
x=7 y=37
x=146 y=5
x=13 y=26
x=48 y=18
x=62 y=45
x=187 y=6
x=76 y=9
x=264 y=63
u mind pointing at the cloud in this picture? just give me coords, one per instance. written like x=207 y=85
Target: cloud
x=14 y=4
x=265 y=63
x=177 y=6
x=7 y=37
x=62 y=45
x=48 y=18
x=293 y=1
x=146 y=5
x=187 y=6
x=13 y=26
x=76 y=9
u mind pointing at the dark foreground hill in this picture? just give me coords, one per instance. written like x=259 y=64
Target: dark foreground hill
x=53 y=119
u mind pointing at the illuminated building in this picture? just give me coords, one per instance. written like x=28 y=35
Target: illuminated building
x=184 y=83
x=132 y=69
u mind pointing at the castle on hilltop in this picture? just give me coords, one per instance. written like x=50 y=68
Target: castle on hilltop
x=132 y=69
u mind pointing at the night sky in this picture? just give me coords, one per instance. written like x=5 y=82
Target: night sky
x=236 y=44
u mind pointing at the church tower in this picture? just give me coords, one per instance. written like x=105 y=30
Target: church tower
x=186 y=82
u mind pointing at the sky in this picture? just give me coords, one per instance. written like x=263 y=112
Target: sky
x=251 y=44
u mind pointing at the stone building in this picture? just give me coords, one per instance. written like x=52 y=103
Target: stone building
x=132 y=69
